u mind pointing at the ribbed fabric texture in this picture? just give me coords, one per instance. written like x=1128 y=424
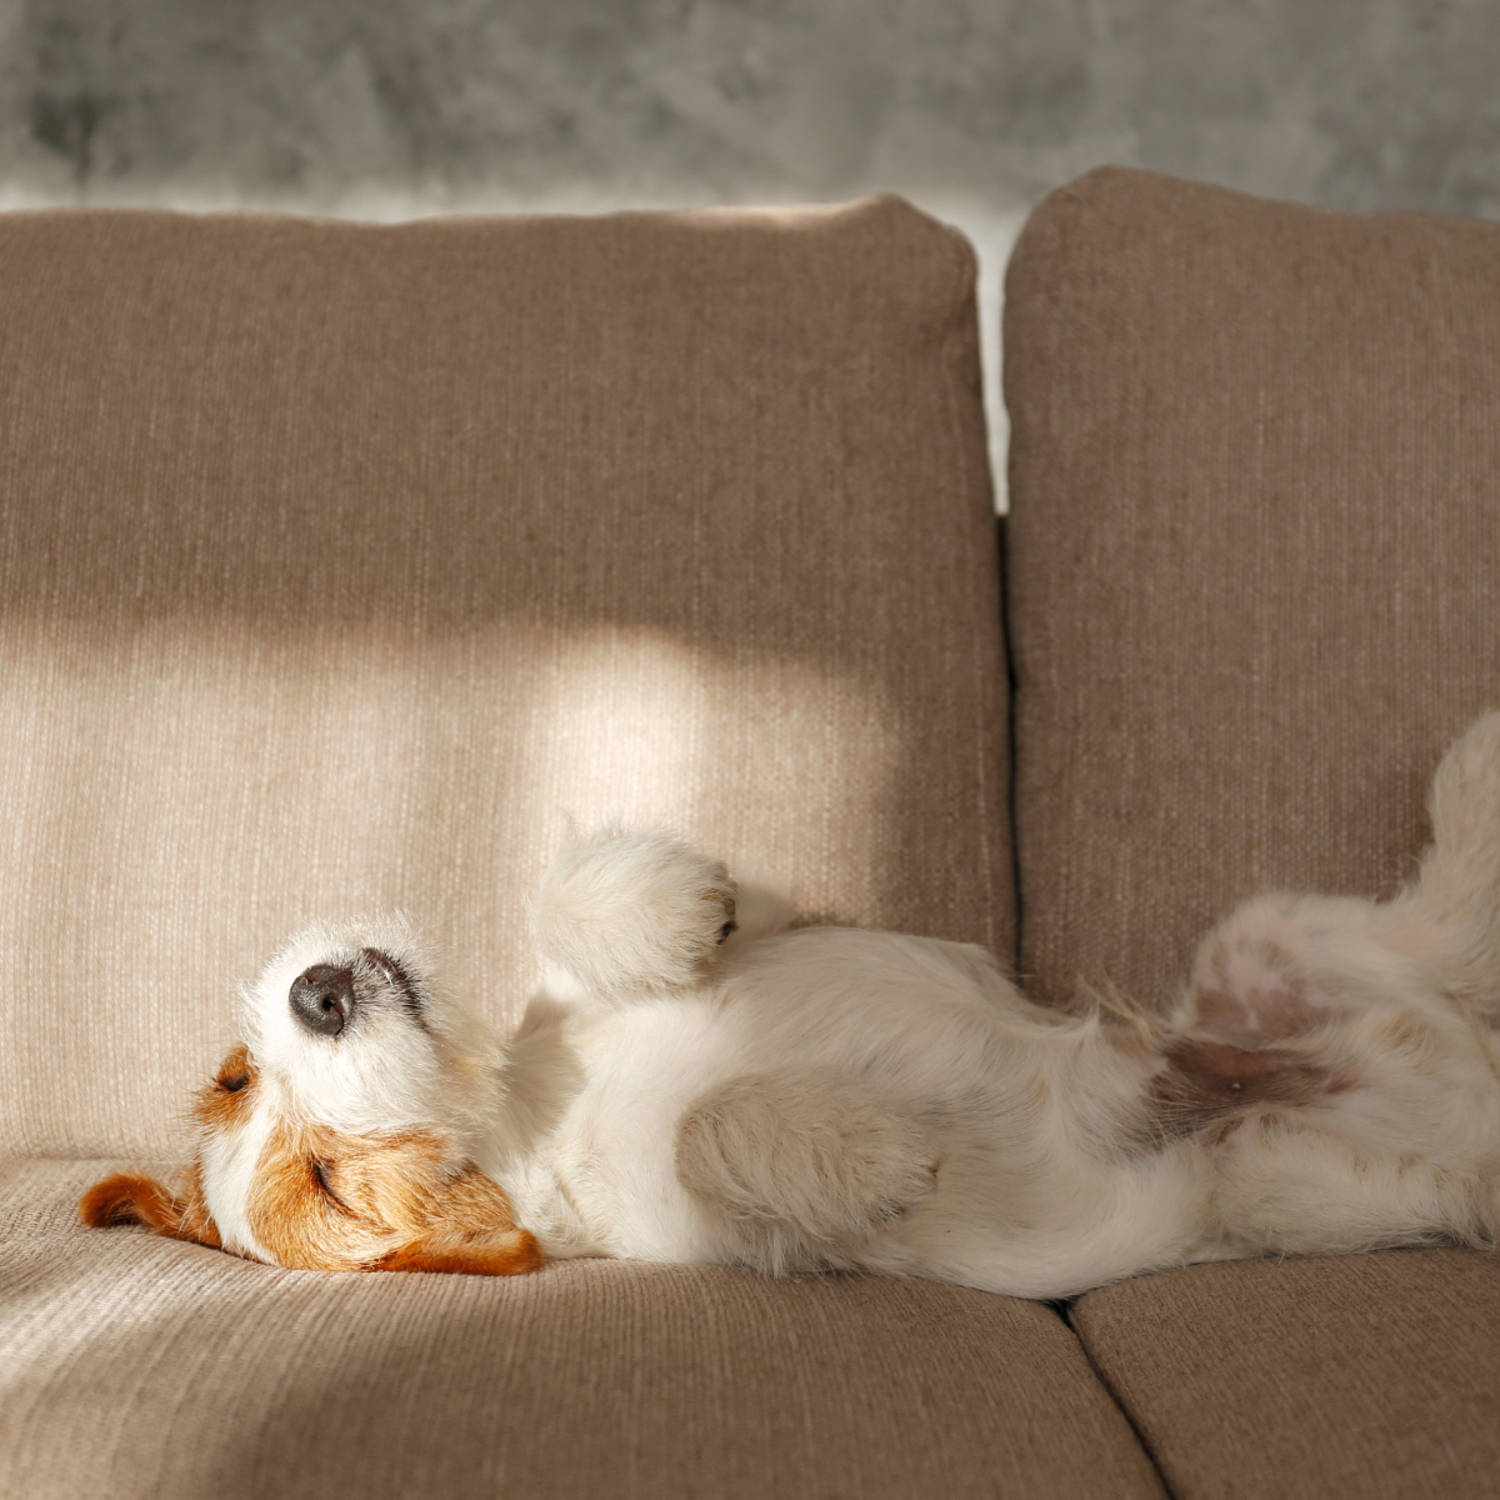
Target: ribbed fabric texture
x=1369 y=1375
x=339 y=563
x=1255 y=555
x=140 y=1367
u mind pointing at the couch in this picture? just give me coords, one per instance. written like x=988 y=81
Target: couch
x=340 y=564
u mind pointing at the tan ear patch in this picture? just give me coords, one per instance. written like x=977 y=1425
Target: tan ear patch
x=128 y=1198
x=331 y=1202
x=134 y=1198
x=512 y=1253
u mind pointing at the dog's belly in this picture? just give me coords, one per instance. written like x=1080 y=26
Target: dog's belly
x=930 y=1025
x=612 y=1157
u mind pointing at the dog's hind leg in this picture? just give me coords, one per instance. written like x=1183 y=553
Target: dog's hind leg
x=1281 y=966
x=1289 y=1186
x=1282 y=970
x=1451 y=913
x=1307 y=1008
x=629 y=914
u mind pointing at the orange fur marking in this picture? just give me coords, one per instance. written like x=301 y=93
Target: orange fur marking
x=226 y=1100
x=511 y=1255
x=134 y=1198
x=129 y=1198
x=325 y=1201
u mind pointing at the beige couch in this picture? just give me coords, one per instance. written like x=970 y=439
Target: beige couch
x=338 y=563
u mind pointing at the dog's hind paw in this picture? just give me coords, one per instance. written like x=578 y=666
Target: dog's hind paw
x=1254 y=981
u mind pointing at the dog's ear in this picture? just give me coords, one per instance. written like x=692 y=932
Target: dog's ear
x=446 y=1220
x=134 y=1198
x=511 y=1252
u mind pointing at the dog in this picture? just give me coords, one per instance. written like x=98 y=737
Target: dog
x=696 y=1080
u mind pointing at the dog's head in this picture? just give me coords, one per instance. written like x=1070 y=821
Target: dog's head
x=340 y=1135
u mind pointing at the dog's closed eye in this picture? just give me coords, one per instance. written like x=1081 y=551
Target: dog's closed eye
x=322 y=1172
x=236 y=1073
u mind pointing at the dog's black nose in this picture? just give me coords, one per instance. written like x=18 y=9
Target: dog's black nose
x=323 y=998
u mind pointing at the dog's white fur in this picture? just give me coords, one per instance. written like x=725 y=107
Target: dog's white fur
x=793 y=1099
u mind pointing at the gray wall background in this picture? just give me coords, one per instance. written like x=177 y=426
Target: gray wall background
x=972 y=108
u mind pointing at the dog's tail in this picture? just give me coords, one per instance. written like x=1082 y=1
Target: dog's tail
x=1456 y=896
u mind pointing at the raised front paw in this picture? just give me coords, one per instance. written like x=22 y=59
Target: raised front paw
x=623 y=914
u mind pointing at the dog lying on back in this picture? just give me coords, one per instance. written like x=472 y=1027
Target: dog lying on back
x=684 y=1087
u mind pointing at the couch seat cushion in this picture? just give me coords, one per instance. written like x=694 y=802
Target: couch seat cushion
x=1367 y=1375
x=134 y=1366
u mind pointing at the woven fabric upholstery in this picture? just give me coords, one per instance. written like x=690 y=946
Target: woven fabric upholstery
x=136 y=1366
x=1254 y=549
x=1254 y=564
x=338 y=563
x=1369 y=1375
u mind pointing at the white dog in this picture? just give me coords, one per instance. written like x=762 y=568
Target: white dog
x=682 y=1089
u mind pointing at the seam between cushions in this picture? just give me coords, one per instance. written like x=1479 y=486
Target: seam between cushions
x=1065 y=1312
x=962 y=320
x=1012 y=777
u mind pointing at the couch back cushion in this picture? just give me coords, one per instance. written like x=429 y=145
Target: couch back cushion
x=1255 y=545
x=339 y=563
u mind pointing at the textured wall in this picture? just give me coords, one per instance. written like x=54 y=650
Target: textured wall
x=973 y=108
x=1351 y=103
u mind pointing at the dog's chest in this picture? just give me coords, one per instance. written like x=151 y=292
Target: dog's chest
x=604 y=1180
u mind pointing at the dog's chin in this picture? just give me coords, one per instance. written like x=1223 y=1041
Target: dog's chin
x=384 y=1074
x=387 y=1053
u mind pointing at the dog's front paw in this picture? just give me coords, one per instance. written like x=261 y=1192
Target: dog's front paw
x=811 y=1149
x=624 y=914
x=895 y=1169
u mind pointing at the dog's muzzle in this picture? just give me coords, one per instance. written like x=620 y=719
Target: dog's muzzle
x=322 y=998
